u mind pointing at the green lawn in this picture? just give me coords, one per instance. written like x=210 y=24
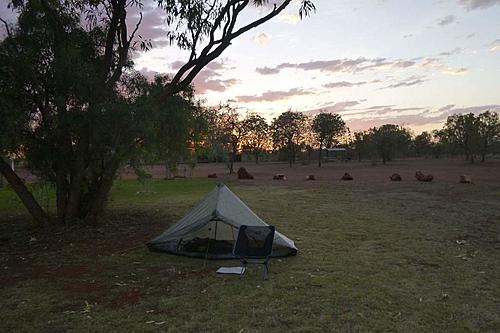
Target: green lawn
x=403 y=257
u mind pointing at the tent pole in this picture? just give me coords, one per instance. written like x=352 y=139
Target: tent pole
x=216 y=221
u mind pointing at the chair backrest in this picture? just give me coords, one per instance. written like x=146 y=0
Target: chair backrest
x=254 y=241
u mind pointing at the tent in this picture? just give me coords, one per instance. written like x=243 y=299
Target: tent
x=210 y=229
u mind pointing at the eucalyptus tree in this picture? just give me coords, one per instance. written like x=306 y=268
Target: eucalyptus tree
x=463 y=130
x=489 y=131
x=389 y=140
x=256 y=135
x=423 y=144
x=288 y=132
x=329 y=129
x=231 y=132
x=363 y=145
x=71 y=103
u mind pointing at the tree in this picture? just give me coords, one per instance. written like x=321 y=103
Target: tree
x=309 y=141
x=463 y=130
x=77 y=117
x=423 y=144
x=489 y=131
x=232 y=131
x=287 y=132
x=362 y=144
x=206 y=28
x=328 y=128
x=389 y=140
x=173 y=133
x=213 y=144
x=256 y=135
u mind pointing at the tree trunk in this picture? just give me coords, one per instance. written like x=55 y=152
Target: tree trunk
x=231 y=164
x=320 y=153
x=168 y=170
x=483 y=157
x=74 y=191
x=61 y=196
x=256 y=157
x=39 y=215
x=99 y=197
x=233 y=156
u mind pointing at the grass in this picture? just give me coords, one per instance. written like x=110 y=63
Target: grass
x=124 y=191
x=400 y=258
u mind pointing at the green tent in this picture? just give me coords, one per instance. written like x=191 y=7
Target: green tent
x=210 y=229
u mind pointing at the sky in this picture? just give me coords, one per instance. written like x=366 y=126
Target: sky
x=405 y=62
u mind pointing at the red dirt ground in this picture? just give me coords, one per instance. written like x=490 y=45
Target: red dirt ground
x=364 y=173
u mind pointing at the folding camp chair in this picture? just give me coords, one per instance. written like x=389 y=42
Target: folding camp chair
x=254 y=245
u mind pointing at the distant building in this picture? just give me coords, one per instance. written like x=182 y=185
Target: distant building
x=334 y=154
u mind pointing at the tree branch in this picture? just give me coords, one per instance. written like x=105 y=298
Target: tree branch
x=194 y=66
x=135 y=29
x=7 y=29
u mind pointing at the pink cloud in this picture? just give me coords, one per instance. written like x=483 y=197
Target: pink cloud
x=338 y=107
x=478 y=4
x=340 y=65
x=270 y=96
x=411 y=81
x=389 y=115
x=343 y=84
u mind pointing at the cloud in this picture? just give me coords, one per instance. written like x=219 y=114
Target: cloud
x=267 y=70
x=454 y=71
x=341 y=65
x=344 y=84
x=446 y=20
x=176 y=65
x=203 y=84
x=495 y=46
x=363 y=64
x=478 y=4
x=362 y=118
x=208 y=79
x=153 y=26
x=271 y=96
x=261 y=38
x=412 y=81
x=457 y=50
x=377 y=116
x=338 y=107
x=432 y=62
x=149 y=74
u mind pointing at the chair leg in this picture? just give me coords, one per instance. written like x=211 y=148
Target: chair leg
x=266 y=270
x=244 y=270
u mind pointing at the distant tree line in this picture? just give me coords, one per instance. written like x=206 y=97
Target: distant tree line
x=292 y=134
x=473 y=136
x=228 y=135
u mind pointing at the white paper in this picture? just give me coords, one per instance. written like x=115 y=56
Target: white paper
x=231 y=270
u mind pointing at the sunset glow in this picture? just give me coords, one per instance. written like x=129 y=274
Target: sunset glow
x=374 y=62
